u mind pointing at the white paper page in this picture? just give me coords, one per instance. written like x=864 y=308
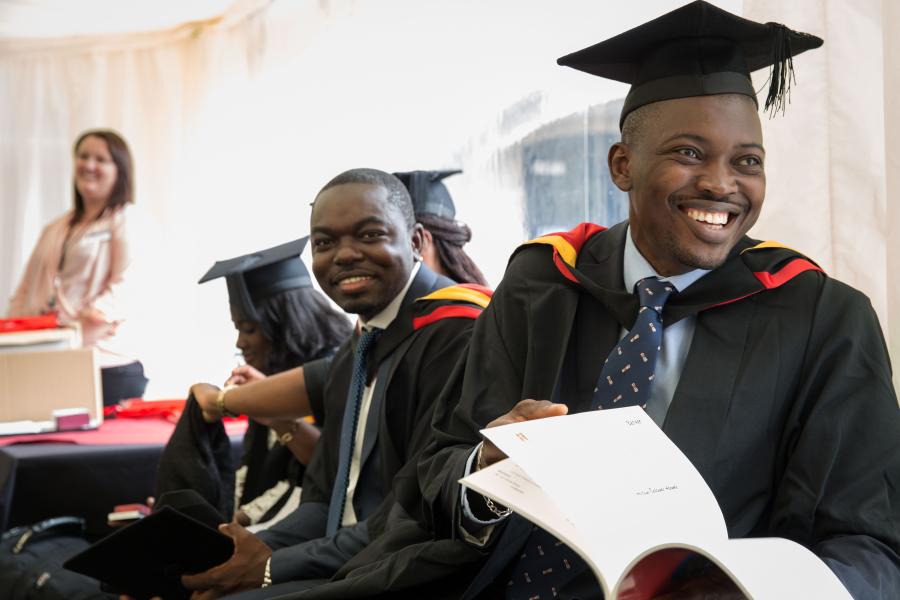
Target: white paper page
x=618 y=478
x=508 y=484
x=505 y=482
x=777 y=568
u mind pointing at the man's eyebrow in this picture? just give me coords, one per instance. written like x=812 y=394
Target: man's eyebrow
x=323 y=230
x=702 y=140
x=320 y=229
x=690 y=136
x=753 y=145
x=369 y=221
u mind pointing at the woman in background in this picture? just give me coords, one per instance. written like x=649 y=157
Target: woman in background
x=282 y=322
x=81 y=260
x=442 y=248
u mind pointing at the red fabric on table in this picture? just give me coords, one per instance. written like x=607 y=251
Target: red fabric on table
x=33 y=323
x=145 y=430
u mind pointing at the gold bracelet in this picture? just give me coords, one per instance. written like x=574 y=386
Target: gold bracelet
x=287 y=436
x=220 y=403
x=479 y=458
x=267 y=576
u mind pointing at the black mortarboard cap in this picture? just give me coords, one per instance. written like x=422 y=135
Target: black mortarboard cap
x=260 y=275
x=148 y=557
x=695 y=50
x=429 y=194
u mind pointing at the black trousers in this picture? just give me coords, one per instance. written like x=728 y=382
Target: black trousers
x=123 y=382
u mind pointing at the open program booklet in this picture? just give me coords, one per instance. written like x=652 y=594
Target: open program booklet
x=612 y=486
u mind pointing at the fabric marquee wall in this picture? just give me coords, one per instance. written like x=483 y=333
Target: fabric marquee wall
x=237 y=119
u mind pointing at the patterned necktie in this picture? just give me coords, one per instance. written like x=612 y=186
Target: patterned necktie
x=348 y=430
x=628 y=372
x=546 y=564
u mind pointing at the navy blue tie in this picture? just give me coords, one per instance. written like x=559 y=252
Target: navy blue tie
x=628 y=372
x=348 y=430
x=546 y=564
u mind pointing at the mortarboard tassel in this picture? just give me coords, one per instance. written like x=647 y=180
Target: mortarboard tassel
x=782 y=74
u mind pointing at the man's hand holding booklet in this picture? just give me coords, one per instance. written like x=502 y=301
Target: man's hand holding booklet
x=613 y=487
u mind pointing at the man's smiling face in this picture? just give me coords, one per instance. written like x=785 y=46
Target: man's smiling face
x=695 y=180
x=363 y=250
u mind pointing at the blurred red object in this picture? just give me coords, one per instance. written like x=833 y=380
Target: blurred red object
x=137 y=408
x=48 y=321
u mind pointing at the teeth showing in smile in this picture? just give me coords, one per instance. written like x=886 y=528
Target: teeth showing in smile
x=708 y=216
x=356 y=279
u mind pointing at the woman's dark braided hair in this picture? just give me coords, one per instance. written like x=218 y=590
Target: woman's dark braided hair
x=449 y=238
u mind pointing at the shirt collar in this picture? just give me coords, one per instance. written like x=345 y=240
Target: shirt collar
x=387 y=315
x=635 y=267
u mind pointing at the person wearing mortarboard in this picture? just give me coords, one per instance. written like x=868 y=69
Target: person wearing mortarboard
x=772 y=377
x=374 y=400
x=282 y=322
x=443 y=236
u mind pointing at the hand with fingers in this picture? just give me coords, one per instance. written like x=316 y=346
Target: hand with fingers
x=244 y=374
x=526 y=410
x=206 y=395
x=241 y=518
x=243 y=571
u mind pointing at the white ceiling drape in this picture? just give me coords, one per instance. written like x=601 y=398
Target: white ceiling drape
x=61 y=19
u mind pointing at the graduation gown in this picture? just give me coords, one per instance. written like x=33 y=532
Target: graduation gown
x=413 y=358
x=785 y=403
x=198 y=457
x=266 y=467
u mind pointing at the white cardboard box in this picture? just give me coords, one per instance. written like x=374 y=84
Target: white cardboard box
x=34 y=384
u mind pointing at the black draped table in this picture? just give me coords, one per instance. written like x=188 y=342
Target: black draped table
x=84 y=473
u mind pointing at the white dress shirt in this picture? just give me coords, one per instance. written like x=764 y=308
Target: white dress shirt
x=380 y=321
x=676 y=340
x=676 y=343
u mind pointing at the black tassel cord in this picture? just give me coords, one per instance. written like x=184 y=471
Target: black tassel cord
x=781 y=75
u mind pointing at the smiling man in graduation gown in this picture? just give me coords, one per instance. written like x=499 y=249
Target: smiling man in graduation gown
x=374 y=401
x=772 y=377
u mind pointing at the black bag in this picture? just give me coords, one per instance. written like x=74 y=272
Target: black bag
x=31 y=561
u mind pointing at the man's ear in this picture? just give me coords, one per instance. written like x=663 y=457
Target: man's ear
x=427 y=239
x=418 y=239
x=619 y=161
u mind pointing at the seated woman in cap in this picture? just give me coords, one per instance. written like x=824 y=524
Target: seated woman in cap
x=282 y=322
x=442 y=248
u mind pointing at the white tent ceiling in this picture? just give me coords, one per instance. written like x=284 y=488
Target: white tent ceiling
x=63 y=18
